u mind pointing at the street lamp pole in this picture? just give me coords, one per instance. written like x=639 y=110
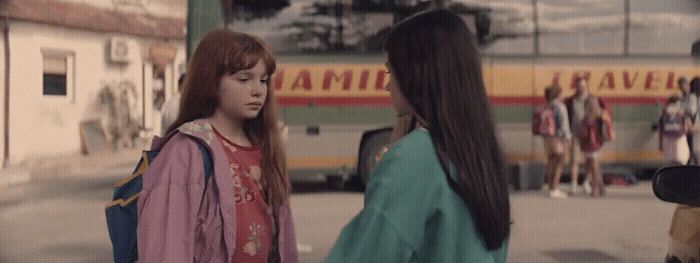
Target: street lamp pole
x=536 y=21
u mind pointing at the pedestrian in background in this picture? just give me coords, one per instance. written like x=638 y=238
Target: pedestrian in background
x=690 y=104
x=553 y=125
x=242 y=213
x=576 y=109
x=695 y=90
x=440 y=193
x=171 y=107
x=595 y=131
x=674 y=125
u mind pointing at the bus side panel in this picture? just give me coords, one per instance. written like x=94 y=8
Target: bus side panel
x=511 y=92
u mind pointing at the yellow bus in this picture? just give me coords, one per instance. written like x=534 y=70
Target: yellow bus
x=331 y=77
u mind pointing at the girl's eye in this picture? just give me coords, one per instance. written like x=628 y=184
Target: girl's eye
x=243 y=79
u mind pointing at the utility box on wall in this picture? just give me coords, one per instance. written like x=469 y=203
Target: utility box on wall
x=121 y=50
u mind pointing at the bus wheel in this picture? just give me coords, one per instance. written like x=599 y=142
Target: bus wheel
x=373 y=145
x=336 y=182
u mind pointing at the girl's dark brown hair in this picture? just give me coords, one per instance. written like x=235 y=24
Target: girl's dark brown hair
x=695 y=86
x=551 y=93
x=439 y=72
x=221 y=52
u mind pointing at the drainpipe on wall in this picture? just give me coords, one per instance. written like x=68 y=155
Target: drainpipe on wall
x=6 y=38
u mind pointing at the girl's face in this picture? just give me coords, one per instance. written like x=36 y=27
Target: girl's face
x=581 y=86
x=685 y=86
x=399 y=102
x=242 y=94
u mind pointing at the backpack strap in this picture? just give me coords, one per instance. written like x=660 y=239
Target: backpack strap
x=208 y=162
x=206 y=155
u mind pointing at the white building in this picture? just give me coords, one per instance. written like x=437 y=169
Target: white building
x=57 y=56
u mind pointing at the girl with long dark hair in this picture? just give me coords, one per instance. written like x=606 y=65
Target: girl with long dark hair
x=440 y=193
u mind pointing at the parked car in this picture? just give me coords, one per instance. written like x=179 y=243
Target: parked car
x=681 y=185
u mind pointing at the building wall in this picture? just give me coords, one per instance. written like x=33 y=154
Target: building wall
x=166 y=8
x=96 y=3
x=45 y=125
x=177 y=9
x=162 y=8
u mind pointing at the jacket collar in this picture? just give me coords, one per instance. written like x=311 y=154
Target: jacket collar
x=201 y=129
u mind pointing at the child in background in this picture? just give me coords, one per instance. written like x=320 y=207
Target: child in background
x=674 y=126
x=594 y=132
x=554 y=138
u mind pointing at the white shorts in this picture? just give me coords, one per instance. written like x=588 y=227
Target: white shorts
x=592 y=155
x=676 y=149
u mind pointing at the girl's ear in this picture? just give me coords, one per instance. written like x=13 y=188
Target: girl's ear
x=284 y=131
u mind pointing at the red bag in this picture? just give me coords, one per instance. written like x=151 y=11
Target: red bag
x=605 y=129
x=544 y=122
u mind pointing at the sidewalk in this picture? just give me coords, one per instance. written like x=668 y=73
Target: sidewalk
x=69 y=165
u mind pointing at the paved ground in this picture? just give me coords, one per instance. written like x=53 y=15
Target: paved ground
x=629 y=225
x=59 y=217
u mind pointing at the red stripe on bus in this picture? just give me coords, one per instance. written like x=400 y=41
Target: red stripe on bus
x=609 y=100
x=517 y=100
x=334 y=101
x=386 y=101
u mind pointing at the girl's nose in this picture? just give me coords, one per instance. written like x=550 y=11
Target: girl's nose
x=258 y=89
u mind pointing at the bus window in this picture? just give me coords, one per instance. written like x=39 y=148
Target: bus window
x=511 y=27
x=310 y=27
x=581 y=28
x=589 y=28
x=661 y=28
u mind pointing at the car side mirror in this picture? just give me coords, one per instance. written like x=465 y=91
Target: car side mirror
x=678 y=184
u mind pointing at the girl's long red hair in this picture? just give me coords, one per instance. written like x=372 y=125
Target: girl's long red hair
x=221 y=52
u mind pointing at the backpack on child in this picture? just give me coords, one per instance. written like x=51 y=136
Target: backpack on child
x=122 y=218
x=544 y=122
x=605 y=129
x=674 y=122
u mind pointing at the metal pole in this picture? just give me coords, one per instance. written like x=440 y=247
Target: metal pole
x=6 y=36
x=202 y=16
x=627 y=29
x=188 y=37
x=338 y=12
x=536 y=20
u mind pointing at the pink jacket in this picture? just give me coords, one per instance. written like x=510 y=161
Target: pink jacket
x=178 y=220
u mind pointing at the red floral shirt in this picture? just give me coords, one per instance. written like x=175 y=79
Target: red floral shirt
x=253 y=218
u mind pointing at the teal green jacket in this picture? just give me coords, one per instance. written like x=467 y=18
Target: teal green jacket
x=411 y=214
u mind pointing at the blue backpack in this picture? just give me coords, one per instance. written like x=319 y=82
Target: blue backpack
x=121 y=212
